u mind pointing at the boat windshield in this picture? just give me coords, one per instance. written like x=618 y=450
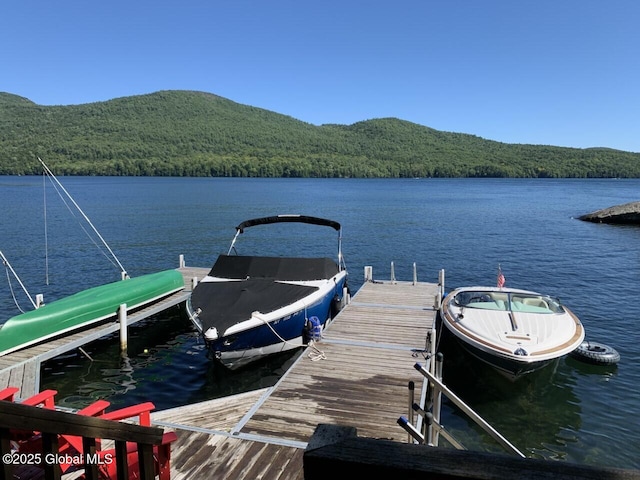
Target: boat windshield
x=508 y=301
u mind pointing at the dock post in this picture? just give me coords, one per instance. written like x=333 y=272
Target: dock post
x=415 y=274
x=122 y=318
x=181 y=261
x=441 y=283
x=437 y=399
x=412 y=387
x=393 y=273
x=368 y=274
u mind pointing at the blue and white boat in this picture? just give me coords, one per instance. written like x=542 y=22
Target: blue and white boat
x=251 y=306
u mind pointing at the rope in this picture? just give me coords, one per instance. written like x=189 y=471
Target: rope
x=13 y=295
x=8 y=268
x=57 y=182
x=80 y=224
x=315 y=354
x=268 y=324
x=46 y=230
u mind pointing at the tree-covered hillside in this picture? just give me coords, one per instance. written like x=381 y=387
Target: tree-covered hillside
x=199 y=134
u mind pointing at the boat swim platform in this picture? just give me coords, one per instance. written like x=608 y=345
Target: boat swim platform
x=357 y=375
x=21 y=369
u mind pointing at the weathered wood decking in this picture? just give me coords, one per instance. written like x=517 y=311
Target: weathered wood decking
x=21 y=369
x=360 y=381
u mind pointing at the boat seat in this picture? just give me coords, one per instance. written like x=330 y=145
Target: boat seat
x=535 y=302
x=516 y=305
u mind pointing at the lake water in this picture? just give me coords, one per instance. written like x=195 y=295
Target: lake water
x=571 y=411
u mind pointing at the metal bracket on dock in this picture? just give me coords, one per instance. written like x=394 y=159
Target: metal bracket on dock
x=440 y=388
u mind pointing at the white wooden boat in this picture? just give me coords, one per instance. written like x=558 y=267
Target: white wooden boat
x=514 y=331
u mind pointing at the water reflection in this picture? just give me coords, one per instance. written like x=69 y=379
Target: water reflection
x=166 y=363
x=536 y=413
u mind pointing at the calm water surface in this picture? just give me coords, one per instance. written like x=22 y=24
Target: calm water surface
x=570 y=411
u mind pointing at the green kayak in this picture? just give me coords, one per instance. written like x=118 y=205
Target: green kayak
x=86 y=307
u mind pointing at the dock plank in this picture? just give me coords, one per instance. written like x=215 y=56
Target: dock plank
x=359 y=380
x=30 y=378
x=218 y=414
x=200 y=455
x=364 y=389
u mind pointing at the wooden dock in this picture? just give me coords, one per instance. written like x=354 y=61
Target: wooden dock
x=21 y=369
x=357 y=375
x=360 y=380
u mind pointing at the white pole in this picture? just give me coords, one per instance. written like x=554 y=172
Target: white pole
x=368 y=274
x=437 y=400
x=15 y=275
x=50 y=173
x=415 y=274
x=182 y=264
x=393 y=273
x=122 y=318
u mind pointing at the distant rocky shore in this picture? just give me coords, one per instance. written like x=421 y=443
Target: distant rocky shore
x=628 y=213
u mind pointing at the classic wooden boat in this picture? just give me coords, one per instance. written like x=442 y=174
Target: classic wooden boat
x=86 y=308
x=514 y=331
x=251 y=306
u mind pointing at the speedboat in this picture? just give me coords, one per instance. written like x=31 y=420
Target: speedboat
x=514 y=331
x=248 y=307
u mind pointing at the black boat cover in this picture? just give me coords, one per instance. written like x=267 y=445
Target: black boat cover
x=275 y=268
x=224 y=304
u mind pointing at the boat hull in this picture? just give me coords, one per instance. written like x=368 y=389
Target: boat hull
x=86 y=308
x=504 y=365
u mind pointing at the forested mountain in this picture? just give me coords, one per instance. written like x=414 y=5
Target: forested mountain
x=184 y=133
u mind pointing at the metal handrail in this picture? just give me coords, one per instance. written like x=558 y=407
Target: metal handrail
x=468 y=411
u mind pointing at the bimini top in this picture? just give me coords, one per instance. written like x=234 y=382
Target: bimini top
x=288 y=218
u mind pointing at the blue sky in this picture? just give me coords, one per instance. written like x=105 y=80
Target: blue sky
x=552 y=72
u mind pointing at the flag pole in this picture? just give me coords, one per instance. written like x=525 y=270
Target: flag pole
x=501 y=279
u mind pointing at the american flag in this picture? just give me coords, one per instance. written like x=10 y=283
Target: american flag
x=501 y=279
